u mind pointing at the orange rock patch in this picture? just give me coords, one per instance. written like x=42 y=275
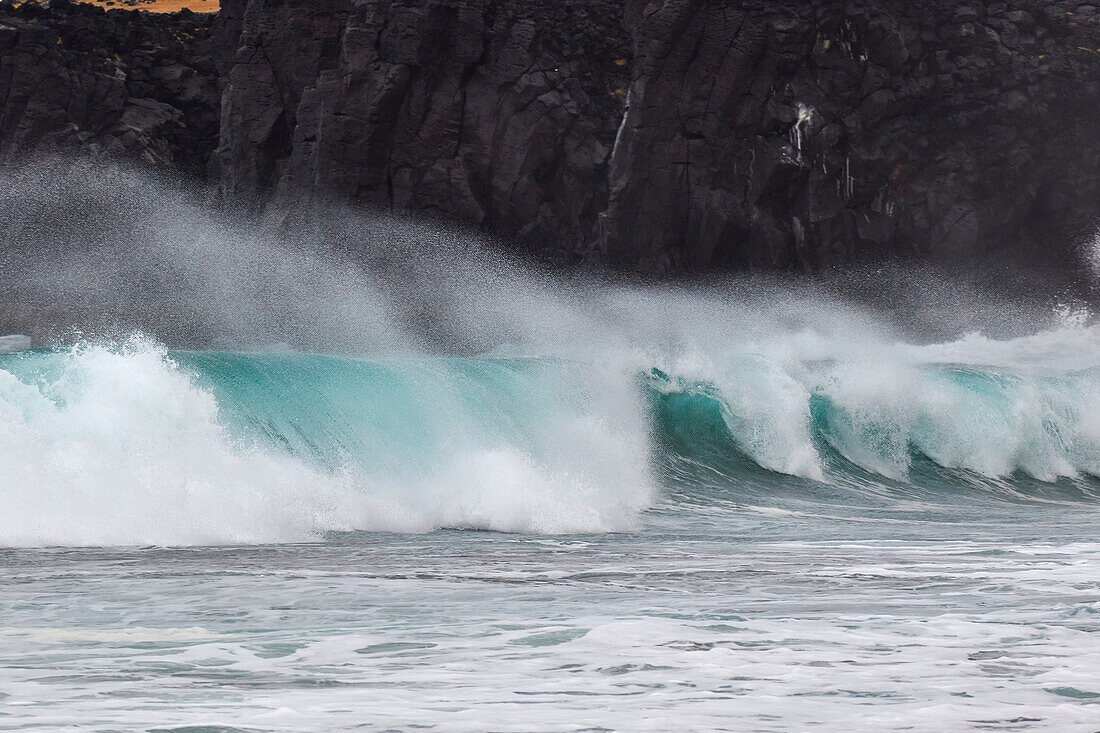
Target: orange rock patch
x=159 y=6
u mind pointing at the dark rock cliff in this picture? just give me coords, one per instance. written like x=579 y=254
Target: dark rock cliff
x=664 y=135
x=76 y=78
x=809 y=133
x=498 y=113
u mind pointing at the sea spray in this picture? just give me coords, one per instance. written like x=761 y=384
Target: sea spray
x=363 y=372
x=14 y=342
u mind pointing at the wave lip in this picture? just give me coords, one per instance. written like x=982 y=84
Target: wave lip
x=826 y=419
x=104 y=445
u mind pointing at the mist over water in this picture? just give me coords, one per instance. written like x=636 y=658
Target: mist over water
x=352 y=470
x=103 y=252
x=466 y=388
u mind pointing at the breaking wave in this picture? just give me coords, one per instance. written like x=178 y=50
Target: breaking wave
x=131 y=444
x=483 y=391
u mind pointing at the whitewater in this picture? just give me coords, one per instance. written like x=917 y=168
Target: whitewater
x=360 y=472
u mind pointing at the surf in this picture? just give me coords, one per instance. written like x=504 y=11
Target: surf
x=203 y=378
x=129 y=443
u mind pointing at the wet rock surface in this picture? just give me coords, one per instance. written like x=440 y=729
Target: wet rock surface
x=669 y=135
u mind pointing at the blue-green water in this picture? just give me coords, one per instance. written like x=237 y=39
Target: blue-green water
x=546 y=445
x=746 y=504
x=207 y=540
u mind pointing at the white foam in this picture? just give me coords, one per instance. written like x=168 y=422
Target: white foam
x=992 y=407
x=124 y=448
x=766 y=409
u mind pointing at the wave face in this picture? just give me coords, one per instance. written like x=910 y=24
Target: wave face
x=990 y=423
x=130 y=444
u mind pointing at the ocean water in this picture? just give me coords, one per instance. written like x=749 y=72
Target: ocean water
x=370 y=474
x=214 y=540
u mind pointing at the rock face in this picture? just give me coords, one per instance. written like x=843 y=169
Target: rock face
x=502 y=114
x=76 y=78
x=682 y=134
x=801 y=134
x=664 y=135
